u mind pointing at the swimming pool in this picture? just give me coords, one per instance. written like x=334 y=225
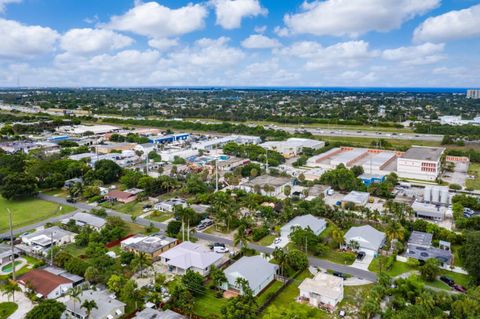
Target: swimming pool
x=8 y=267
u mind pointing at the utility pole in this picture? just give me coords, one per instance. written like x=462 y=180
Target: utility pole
x=12 y=244
x=216 y=175
x=266 y=160
x=51 y=249
x=146 y=163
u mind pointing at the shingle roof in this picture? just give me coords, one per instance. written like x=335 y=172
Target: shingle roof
x=366 y=236
x=187 y=255
x=316 y=224
x=149 y=313
x=105 y=304
x=255 y=269
x=43 y=281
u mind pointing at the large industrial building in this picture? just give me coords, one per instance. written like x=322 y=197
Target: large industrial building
x=420 y=162
x=292 y=146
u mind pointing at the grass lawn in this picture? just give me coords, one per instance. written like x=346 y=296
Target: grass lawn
x=291 y=292
x=272 y=288
x=26 y=212
x=6 y=309
x=74 y=250
x=353 y=297
x=135 y=228
x=208 y=305
x=133 y=208
x=339 y=257
x=397 y=269
x=266 y=241
x=159 y=216
x=59 y=192
x=473 y=169
x=461 y=279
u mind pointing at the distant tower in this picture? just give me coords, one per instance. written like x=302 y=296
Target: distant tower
x=473 y=94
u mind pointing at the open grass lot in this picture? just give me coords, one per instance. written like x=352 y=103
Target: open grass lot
x=398 y=267
x=7 y=308
x=473 y=169
x=353 y=297
x=74 y=250
x=291 y=292
x=26 y=212
x=159 y=216
x=266 y=241
x=134 y=208
x=367 y=142
x=208 y=305
x=339 y=257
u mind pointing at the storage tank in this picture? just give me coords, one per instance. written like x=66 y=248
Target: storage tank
x=427 y=194
x=435 y=195
x=444 y=195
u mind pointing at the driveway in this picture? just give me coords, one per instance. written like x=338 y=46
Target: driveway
x=364 y=263
x=24 y=305
x=283 y=242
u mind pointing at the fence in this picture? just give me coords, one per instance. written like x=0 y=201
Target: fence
x=117 y=242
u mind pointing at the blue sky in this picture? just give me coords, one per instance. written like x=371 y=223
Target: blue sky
x=406 y=43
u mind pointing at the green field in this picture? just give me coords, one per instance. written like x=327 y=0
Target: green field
x=29 y=211
x=398 y=267
x=208 y=305
x=159 y=216
x=473 y=169
x=6 y=309
x=266 y=241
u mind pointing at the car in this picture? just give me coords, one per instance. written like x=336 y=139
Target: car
x=447 y=280
x=360 y=255
x=216 y=245
x=201 y=226
x=459 y=288
x=339 y=274
x=277 y=241
x=220 y=250
x=147 y=206
x=71 y=200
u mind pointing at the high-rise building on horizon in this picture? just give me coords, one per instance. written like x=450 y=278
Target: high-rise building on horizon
x=473 y=94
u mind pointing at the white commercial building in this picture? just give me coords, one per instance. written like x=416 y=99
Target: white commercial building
x=323 y=290
x=473 y=94
x=292 y=146
x=420 y=162
x=219 y=142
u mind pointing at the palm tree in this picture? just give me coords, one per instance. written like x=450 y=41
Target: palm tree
x=9 y=289
x=185 y=214
x=240 y=237
x=141 y=260
x=89 y=305
x=281 y=257
x=74 y=294
x=395 y=231
x=337 y=236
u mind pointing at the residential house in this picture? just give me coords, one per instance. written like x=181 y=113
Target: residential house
x=119 y=196
x=365 y=238
x=324 y=290
x=6 y=255
x=149 y=313
x=152 y=245
x=356 y=198
x=276 y=184
x=191 y=256
x=169 y=205
x=48 y=237
x=107 y=306
x=317 y=225
x=85 y=219
x=256 y=270
x=420 y=247
x=45 y=284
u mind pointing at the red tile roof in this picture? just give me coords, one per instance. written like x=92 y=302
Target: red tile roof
x=119 y=195
x=43 y=281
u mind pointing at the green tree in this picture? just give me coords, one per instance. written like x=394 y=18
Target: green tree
x=240 y=237
x=92 y=275
x=89 y=305
x=47 y=309
x=470 y=254
x=74 y=294
x=242 y=307
x=430 y=270
x=107 y=171
x=140 y=261
x=193 y=281
x=297 y=260
x=292 y=310
x=9 y=289
x=115 y=283
x=19 y=186
x=281 y=258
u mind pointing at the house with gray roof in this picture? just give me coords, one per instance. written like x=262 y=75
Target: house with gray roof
x=365 y=238
x=6 y=253
x=191 y=256
x=48 y=236
x=85 y=219
x=317 y=225
x=149 y=313
x=152 y=245
x=256 y=270
x=420 y=247
x=107 y=306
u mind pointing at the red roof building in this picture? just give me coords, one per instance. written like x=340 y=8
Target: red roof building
x=46 y=284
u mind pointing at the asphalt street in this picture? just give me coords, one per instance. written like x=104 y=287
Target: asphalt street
x=316 y=262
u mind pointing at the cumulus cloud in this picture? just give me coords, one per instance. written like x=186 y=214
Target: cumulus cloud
x=154 y=20
x=162 y=44
x=231 y=12
x=3 y=4
x=352 y=18
x=25 y=41
x=259 y=41
x=452 y=25
x=343 y=54
x=88 y=41
x=426 y=53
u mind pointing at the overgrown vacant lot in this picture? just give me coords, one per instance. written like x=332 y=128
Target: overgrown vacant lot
x=29 y=211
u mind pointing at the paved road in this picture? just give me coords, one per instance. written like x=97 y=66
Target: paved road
x=321 y=263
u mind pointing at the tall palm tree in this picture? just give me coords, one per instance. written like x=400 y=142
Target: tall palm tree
x=74 y=294
x=141 y=260
x=281 y=257
x=240 y=237
x=89 y=305
x=185 y=214
x=9 y=289
x=337 y=236
x=395 y=231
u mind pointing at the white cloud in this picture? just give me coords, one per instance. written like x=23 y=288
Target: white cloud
x=162 y=44
x=259 y=41
x=24 y=41
x=260 y=29
x=426 y=53
x=231 y=12
x=352 y=18
x=88 y=41
x=450 y=26
x=209 y=53
x=343 y=54
x=157 y=21
x=3 y=4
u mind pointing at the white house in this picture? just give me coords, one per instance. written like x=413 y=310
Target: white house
x=323 y=290
x=107 y=306
x=85 y=219
x=191 y=256
x=277 y=184
x=45 y=284
x=48 y=236
x=317 y=225
x=256 y=270
x=368 y=238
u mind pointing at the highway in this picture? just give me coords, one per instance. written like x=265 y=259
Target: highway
x=316 y=262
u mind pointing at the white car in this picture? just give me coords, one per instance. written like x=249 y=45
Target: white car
x=220 y=250
x=277 y=241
